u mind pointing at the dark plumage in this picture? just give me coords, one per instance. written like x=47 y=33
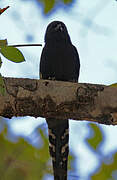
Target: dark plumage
x=59 y=61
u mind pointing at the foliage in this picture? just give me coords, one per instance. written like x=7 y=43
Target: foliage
x=48 y=6
x=113 y=85
x=23 y=161
x=20 y=160
x=106 y=171
x=12 y=53
x=105 y=168
x=94 y=140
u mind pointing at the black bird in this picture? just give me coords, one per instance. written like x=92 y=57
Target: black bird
x=59 y=61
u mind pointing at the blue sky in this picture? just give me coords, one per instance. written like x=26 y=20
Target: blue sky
x=93 y=30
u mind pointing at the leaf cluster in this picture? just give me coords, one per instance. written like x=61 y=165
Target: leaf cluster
x=49 y=5
x=20 y=160
x=11 y=53
x=106 y=165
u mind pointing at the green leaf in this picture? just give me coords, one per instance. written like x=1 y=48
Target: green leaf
x=2 y=86
x=95 y=140
x=67 y=1
x=105 y=171
x=20 y=160
x=48 y=5
x=12 y=53
x=3 y=42
x=44 y=150
x=113 y=85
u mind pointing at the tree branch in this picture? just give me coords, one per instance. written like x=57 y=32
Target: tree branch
x=45 y=98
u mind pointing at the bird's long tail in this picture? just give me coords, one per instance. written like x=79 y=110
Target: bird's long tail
x=58 y=131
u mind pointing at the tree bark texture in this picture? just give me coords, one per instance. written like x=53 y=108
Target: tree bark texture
x=61 y=100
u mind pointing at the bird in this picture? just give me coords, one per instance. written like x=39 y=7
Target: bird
x=59 y=61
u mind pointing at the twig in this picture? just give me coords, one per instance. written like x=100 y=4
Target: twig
x=23 y=45
x=4 y=9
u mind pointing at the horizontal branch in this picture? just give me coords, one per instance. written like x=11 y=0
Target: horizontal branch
x=45 y=98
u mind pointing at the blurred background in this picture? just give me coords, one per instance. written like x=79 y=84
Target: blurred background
x=92 y=26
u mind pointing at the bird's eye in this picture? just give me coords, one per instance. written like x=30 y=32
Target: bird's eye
x=58 y=27
x=54 y=26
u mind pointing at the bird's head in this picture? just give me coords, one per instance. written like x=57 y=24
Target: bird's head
x=57 y=31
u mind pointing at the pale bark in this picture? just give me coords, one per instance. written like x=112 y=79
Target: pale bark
x=45 y=98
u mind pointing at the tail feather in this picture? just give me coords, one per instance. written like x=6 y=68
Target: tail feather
x=58 y=146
